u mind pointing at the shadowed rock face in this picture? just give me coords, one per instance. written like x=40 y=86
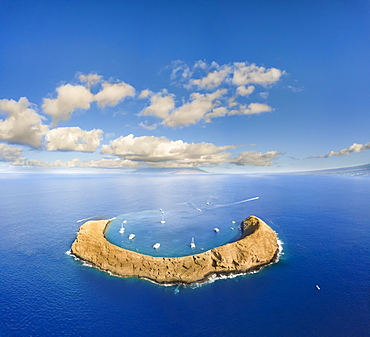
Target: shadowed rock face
x=256 y=248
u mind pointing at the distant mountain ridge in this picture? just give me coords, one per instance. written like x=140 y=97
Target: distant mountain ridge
x=170 y=170
x=360 y=170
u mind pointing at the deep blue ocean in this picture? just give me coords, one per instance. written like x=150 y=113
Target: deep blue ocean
x=323 y=221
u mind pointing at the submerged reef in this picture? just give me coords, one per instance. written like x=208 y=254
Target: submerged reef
x=257 y=247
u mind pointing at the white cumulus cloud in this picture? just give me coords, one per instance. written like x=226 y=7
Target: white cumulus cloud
x=90 y=79
x=23 y=125
x=217 y=112
x=69 y=98
x=213 y=79
x=73 y=139
x=152 y=150
x=231 y=102
x=195 y=110
x=160 y=106
x=252 y=108
x=214 y=75
x=354 y=148
x=113 y=93
x=145 y=93
x=244 y=73
x=78 y=163
x=255 y=158
x=180 y=71
x=243 y=91
x=131 y=151
x=11 y=154
x=148 y=126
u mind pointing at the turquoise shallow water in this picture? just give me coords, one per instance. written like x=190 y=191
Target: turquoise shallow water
x=324 y=222
x=208 y=227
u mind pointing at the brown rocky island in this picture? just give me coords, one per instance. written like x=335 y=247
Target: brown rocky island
x=257 y=247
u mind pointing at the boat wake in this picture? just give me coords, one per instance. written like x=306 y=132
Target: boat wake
x=92 y=217
x=212 y=206
x=236 y=203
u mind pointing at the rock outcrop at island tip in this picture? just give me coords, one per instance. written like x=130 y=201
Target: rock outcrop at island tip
x=256 y=248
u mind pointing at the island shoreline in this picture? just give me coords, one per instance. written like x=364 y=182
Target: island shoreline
x=249 y=254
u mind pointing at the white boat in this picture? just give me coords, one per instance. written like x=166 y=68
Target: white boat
x=233 y=221
x=122 y=229
x=216 y=229
x=163 y=221
x=131 y=236
x=192 y=243
x=156 y=245
x=317 y=287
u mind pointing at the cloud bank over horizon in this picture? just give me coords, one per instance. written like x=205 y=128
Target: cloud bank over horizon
x=354 y=148
x=214 y=91
x=202 y=93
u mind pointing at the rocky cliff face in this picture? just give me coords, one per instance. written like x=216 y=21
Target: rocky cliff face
x=256 y=248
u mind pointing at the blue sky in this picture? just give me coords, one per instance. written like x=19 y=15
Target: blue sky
x=229 y=86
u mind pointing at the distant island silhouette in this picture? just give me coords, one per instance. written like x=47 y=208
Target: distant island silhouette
x=170 y=170
x=363 y=170
x=350 y=170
